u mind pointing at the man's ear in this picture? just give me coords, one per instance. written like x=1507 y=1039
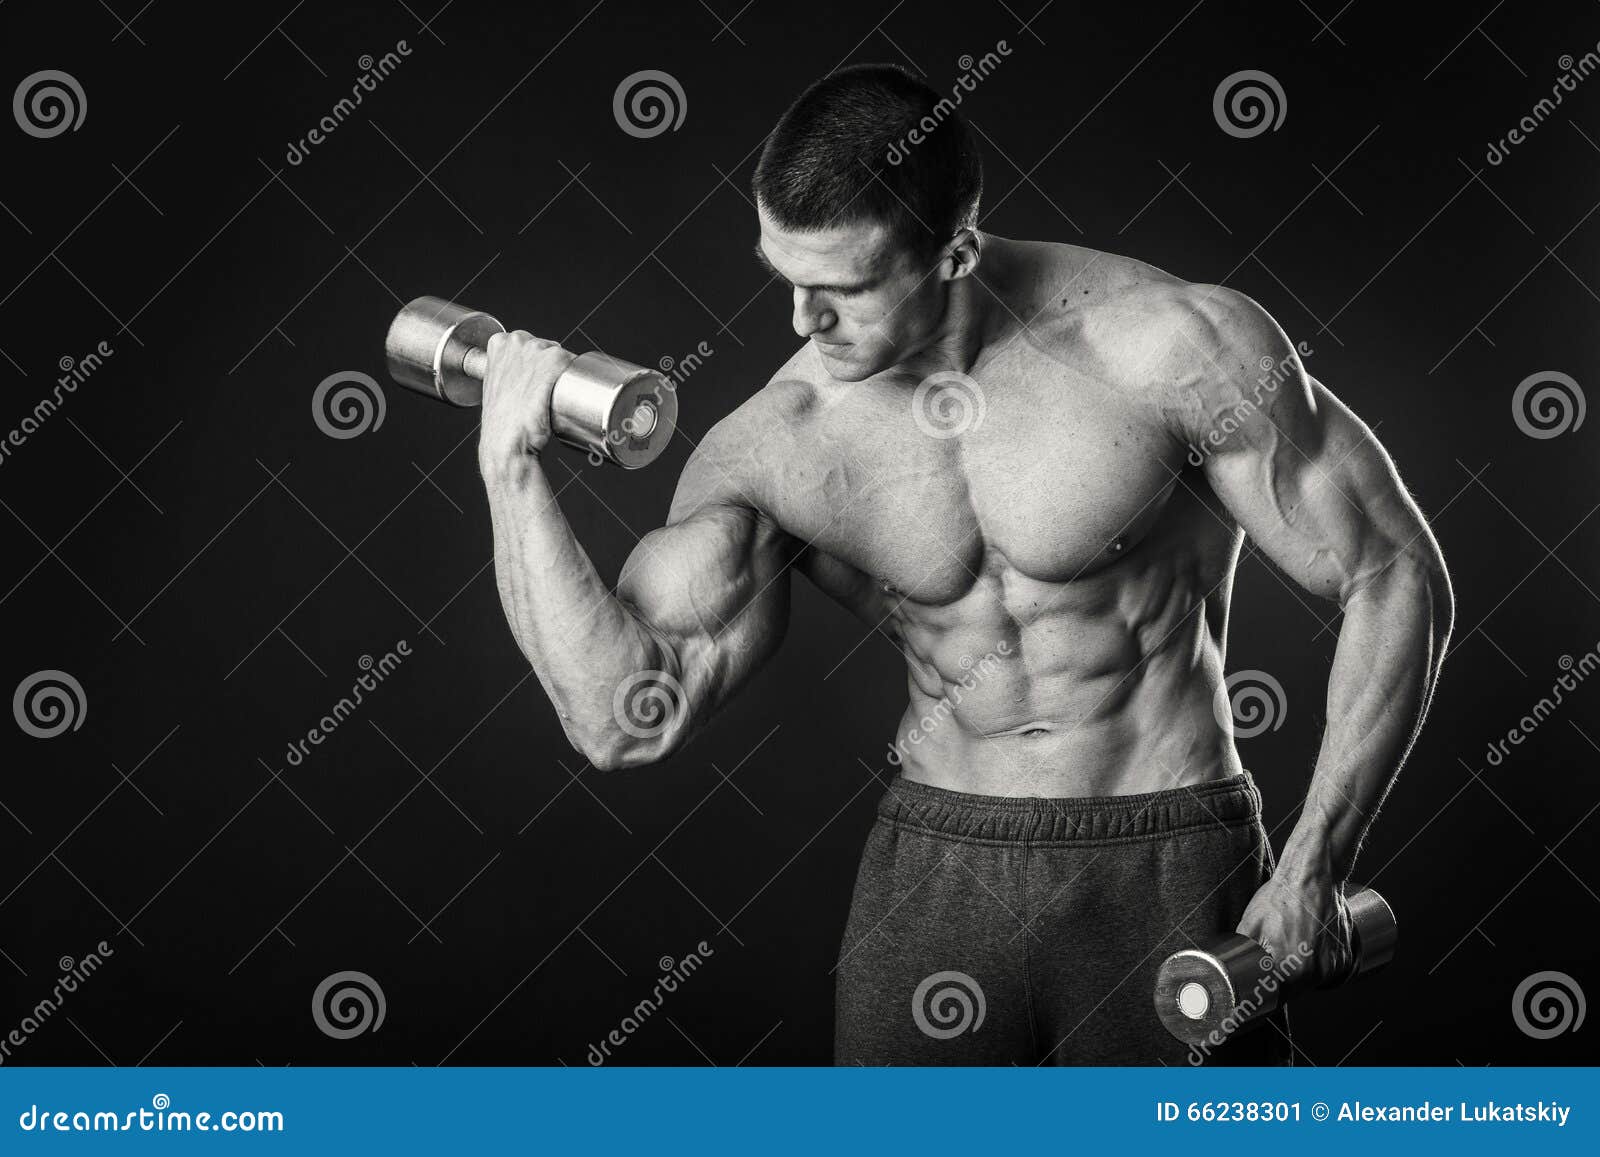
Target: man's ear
x=962 y=255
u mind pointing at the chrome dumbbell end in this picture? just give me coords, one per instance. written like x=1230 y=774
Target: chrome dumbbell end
x=436 y=347
x=613 y=409
x=620 y=411
x=1376 y=932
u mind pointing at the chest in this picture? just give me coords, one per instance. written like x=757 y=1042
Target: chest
x=1030 y=466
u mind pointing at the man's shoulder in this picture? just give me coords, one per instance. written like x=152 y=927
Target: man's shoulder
x=1144 y=322
x=1117 y=296
x=774 y=411
x=733 y=461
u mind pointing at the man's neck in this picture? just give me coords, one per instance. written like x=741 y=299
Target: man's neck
x=972 y=311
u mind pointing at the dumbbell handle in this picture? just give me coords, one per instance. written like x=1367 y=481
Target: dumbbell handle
x=476 y=363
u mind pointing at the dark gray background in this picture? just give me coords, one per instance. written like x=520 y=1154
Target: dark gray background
x=185 y=541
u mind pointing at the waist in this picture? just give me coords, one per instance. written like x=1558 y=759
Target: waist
x=1223 y=803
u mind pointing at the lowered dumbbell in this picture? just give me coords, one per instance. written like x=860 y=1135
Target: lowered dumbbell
x=614 y=409
x=1233 y=982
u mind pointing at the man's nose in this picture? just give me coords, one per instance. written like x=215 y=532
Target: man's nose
x=809 y=318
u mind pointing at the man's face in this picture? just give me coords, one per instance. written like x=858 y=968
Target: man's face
x=865 y=302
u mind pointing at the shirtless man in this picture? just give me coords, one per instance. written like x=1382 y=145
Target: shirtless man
x=1032 y=466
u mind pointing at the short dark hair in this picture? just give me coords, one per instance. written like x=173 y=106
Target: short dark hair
x=872 y=143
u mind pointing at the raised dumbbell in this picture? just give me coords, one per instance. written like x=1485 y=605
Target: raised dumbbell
x=614 y=409
x=1233 y=982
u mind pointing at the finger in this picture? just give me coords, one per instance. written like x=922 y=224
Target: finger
x=556 y=358
x=525 y=340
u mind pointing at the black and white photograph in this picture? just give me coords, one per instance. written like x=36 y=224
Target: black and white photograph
x=725 y=534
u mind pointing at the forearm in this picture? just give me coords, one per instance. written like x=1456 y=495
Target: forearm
x=580 y=639
x=1391 y=643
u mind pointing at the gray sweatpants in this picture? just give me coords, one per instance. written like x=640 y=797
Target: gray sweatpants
x=990 y=930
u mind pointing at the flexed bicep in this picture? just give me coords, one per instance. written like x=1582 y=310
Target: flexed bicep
x=711 y=588
x=714 y=591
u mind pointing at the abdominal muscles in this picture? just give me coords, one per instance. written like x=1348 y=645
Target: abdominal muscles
x=1100 y=686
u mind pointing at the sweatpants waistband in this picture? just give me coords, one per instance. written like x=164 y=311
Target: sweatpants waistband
x=1069 y=819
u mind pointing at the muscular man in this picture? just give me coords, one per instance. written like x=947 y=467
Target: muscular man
x=1031 y=465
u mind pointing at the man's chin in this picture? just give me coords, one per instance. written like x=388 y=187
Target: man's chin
x=841 y=367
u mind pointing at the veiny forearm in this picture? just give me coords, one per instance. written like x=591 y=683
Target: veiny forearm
x=1391 y=643
x=581 y=640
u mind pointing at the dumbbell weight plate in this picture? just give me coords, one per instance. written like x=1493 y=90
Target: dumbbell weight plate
x=1197 y=989
x=430 y=348
x=613 y=408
